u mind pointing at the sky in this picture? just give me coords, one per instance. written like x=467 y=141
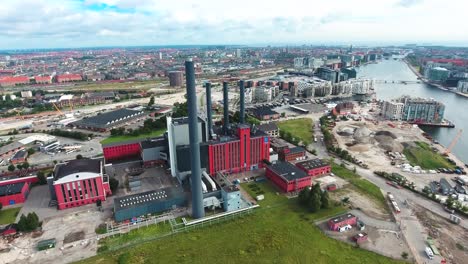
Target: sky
x=27 y=24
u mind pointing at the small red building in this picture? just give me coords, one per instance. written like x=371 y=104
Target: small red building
x=314 y=167
x=287 y=177
x=343 y=108
x=69 y=77
x=14 y=193
x=122 y=150
x=79 y=182
x=19 y=157
x=346 y=219
x=292 y=154
x=360 y=238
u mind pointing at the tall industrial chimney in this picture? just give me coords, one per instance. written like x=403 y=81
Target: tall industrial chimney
x=208 y=110
x=197 y=195
x=242 y=102
x=226 y=108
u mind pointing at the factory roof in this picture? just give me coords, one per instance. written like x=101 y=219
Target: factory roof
x=268 y=127
x=183 y=120
x=102 y=94
x=296 y=150
x=153 y=143
x=11 y=188
x=108 y=119
x=341 y=218
x=262 y=111
x=141 y=199
x=77 y=166
x=287 y=171
x=21 y=154
x=312 y=164
x=41 y=138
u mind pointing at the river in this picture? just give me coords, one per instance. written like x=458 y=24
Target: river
x=455 y=105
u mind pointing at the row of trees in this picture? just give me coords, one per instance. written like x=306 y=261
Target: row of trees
x=22 y=166
x=314 y=198
x=70 y=134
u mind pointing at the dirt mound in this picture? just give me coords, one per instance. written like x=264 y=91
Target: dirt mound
x=388 y=143
x=385 y=133
x=362 y=135
x=346 y=131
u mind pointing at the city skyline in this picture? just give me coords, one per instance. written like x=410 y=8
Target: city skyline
x=39 y=24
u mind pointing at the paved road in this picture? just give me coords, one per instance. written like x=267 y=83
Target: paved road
x=381 y=224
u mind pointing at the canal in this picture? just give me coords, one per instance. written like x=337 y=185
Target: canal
x=455 y=105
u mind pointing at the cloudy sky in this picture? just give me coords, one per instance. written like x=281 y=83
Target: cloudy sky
x=87 y=23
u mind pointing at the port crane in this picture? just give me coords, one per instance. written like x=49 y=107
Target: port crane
x=453 y=143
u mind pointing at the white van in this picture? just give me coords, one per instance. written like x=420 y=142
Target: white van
x=429 y=253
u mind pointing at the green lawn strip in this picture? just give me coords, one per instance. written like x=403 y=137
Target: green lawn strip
x=362 y=185
x=299 y=128
x=114 y=139
x=280 y=231
x=422 y=155
x=8 y=215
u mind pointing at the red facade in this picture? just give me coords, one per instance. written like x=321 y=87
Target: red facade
x=81 y=192
x=16 y=198
x=288 y=186
x=12 y=81
x=121 y=151
x=244 y=154
x=69 y=78
x=315 y=171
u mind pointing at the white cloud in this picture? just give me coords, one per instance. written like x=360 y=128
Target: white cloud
x=73 y=23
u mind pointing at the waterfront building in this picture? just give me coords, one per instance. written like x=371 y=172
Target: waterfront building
x=392 y=110
x=462 y=86
x=436 y=74
x=421 y=110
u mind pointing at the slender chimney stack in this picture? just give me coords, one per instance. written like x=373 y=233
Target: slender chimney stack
x=242 y=102
x=197 y=195
x=208 y=110
x=226 y=108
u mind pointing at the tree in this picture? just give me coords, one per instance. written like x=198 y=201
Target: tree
x=283 y=114
x=314 y=202
x=1 y=206
x=79 y=156
x=304 y=196
x=31 y=151
x=25 y=165
x=325 y=200
x=11 y=168
x=450 y=202
x=41 y=177
x=404 y=255
x=151 y=101
x=113 y=184
x=19 y=166
x=29 y=222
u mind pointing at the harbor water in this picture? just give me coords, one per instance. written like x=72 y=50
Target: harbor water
x=456 y=107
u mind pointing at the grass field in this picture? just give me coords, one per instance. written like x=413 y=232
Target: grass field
x=364 y=186
x=299 y=128
x=114 y=139
x=8 y=216
x=278 y=232
x=422 y=155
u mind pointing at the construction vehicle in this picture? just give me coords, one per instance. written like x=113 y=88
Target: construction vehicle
x=453 y=143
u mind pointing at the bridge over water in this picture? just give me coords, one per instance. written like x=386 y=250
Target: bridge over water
x=396 y=81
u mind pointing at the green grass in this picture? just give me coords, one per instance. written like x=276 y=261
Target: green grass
x=362 y=185
x=114 y=139
x=299 y=128
x=8 y=216
x=422 y=155
x=278 y=232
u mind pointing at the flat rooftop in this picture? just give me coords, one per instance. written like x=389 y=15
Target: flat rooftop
x=77 y=166
x=312 y=164
x=108 y=119
x=141 y=199
x=341 y=218
x=10 y=189
x=287 y=171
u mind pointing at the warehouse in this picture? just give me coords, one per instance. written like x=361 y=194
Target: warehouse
x=150 y=151
x=103 y=122
x=14 y=193
x=292 y=154
x=150 y=202
x=341 y=221
x=78 y=182
x=288 y=177
x=314 y=167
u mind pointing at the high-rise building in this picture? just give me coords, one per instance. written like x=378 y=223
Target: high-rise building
x=238 y=53
x=392 y=110
x=421 y=110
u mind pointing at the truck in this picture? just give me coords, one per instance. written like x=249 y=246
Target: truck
x=429 y=252
x=454 y=219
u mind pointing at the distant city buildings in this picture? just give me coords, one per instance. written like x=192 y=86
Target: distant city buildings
x=462 y=86
x=436 y=74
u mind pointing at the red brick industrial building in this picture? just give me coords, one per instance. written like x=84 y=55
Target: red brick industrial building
x=69 y=77
x=14 y=193
x=314 y=167
x=12 y=81
x=43 y=79
x=79 y=182
x=337 y=222
x=292 y=154
x=288 y=177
